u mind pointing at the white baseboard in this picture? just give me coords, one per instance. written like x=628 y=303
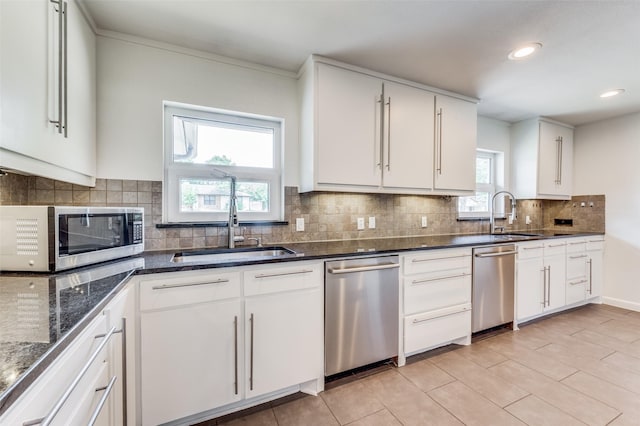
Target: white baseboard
x=620 y=303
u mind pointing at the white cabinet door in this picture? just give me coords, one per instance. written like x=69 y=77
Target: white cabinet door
x=189 y=359
x=555 y=165
x=408 y=138
x=29 y=85
x=530 y=281
x=348 y=137
x=557 y=278
x=456 y=132
x=283 y=340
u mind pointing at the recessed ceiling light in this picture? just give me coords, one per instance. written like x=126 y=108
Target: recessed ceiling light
x=610 y=93
x=524 y=51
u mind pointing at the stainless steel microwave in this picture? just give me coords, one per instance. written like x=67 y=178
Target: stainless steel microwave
x=55 y=238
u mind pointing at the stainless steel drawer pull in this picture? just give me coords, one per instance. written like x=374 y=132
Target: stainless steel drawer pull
x=532 y=248
x=166 y=286
x=67 y=393
x=578 y=257
x=418 y=321
x=363 y=268
x=596 y=241
x=428 y=280
x=578 y=282
x=579 y=242
x=557 y=245
x=251 y=321
x=282 y=274
x=438 y=258
x=498 y=254
x=235 y=354
x=102 y=401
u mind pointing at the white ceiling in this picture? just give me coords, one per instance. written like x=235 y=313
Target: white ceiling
x=461 y=46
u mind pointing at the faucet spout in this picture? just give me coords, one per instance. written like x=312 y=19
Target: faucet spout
x=233 y=209
x=492 y=224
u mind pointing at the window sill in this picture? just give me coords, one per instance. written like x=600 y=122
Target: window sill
x=220 y=224
x=478 y=219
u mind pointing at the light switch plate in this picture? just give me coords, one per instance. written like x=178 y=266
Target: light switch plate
x=300 y=224
x=424 y=221
x=372 y=222
x=360 y=223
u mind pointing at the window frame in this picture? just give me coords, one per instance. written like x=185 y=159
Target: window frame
x=490 y=188
x=174 y=171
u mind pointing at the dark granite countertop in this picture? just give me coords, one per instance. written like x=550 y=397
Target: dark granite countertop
x=160 y=261
x=40 y=314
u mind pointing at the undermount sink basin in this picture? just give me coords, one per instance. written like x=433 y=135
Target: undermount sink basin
x=228 y=255
x=508 y=236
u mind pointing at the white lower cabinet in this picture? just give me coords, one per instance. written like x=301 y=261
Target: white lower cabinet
x=85 y=383
x=540 y=277
x=437 y=299
x=213 y=342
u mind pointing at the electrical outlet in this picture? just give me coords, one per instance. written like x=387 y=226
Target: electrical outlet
x=372 y=222
x=527 y=220
x=424 y=221
x=360 y=223
x=300 y=224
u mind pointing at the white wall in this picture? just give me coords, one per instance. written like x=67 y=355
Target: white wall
x=607 y=161
x=134 y=79
x=493 y=135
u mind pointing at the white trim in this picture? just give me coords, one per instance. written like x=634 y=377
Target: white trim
x=193 y=52
x=620 y=303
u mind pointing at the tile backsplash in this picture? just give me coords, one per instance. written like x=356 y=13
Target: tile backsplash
x=327 y=215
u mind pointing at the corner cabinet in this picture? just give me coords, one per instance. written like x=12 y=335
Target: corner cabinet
x=217 y=341
x=542 y=159
x=366 y=132
x=48 y=75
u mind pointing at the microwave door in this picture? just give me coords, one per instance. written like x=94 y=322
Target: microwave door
x=86 y=232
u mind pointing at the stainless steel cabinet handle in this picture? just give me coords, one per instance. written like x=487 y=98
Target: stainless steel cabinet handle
x=418 y=321
x=61 y=11
x=428 y=259
x=439 y=141
x=548 y=285
x=105 y=396
x=389 y=134
x=532 y=248
x=579 y=242
x=560 y=162
x=166 y=286
x=251 y=320
x=282 y=274
x=380 y=129
x=557 y=245
x=497 y=254
x=363 y=268
x=590 y=262
x=428 y=280
x=67 y=393
x=544 y=287
x=578 y=257
x=596 y=241
x=235 y=354
x=578 y=282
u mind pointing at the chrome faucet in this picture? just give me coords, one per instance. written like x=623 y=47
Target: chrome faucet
x=492 y=224
x=233 y=210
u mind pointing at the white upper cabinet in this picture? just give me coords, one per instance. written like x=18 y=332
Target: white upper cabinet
x=366 y=132
x=455 y=144
x=542 y=163
x=48 y=78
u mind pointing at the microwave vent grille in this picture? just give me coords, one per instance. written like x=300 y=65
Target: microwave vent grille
x=27 y=237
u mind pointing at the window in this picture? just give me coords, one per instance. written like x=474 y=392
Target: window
x=202 y=147
x=487 y=171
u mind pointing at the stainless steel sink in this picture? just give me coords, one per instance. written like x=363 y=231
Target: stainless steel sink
x=511 y=236
x=229 y=255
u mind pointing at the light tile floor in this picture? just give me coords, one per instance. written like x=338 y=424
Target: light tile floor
x=575 y=368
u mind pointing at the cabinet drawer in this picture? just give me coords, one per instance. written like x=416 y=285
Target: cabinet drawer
x=531 y=250
x=428 y=330
x=576 y=245
x=426 y=292
x=277 y=279
x=176 y=291
x=595 y=243
x=576 y=265
x=439 y=260
x=552 y=248
x=576 y=290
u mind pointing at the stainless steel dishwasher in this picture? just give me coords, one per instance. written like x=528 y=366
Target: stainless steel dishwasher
x=493 y=286
x=361 y=312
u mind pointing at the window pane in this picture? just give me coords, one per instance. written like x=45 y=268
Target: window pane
x=208 y=195
x=474 y=204
x=483 y=170
x=218 y=143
